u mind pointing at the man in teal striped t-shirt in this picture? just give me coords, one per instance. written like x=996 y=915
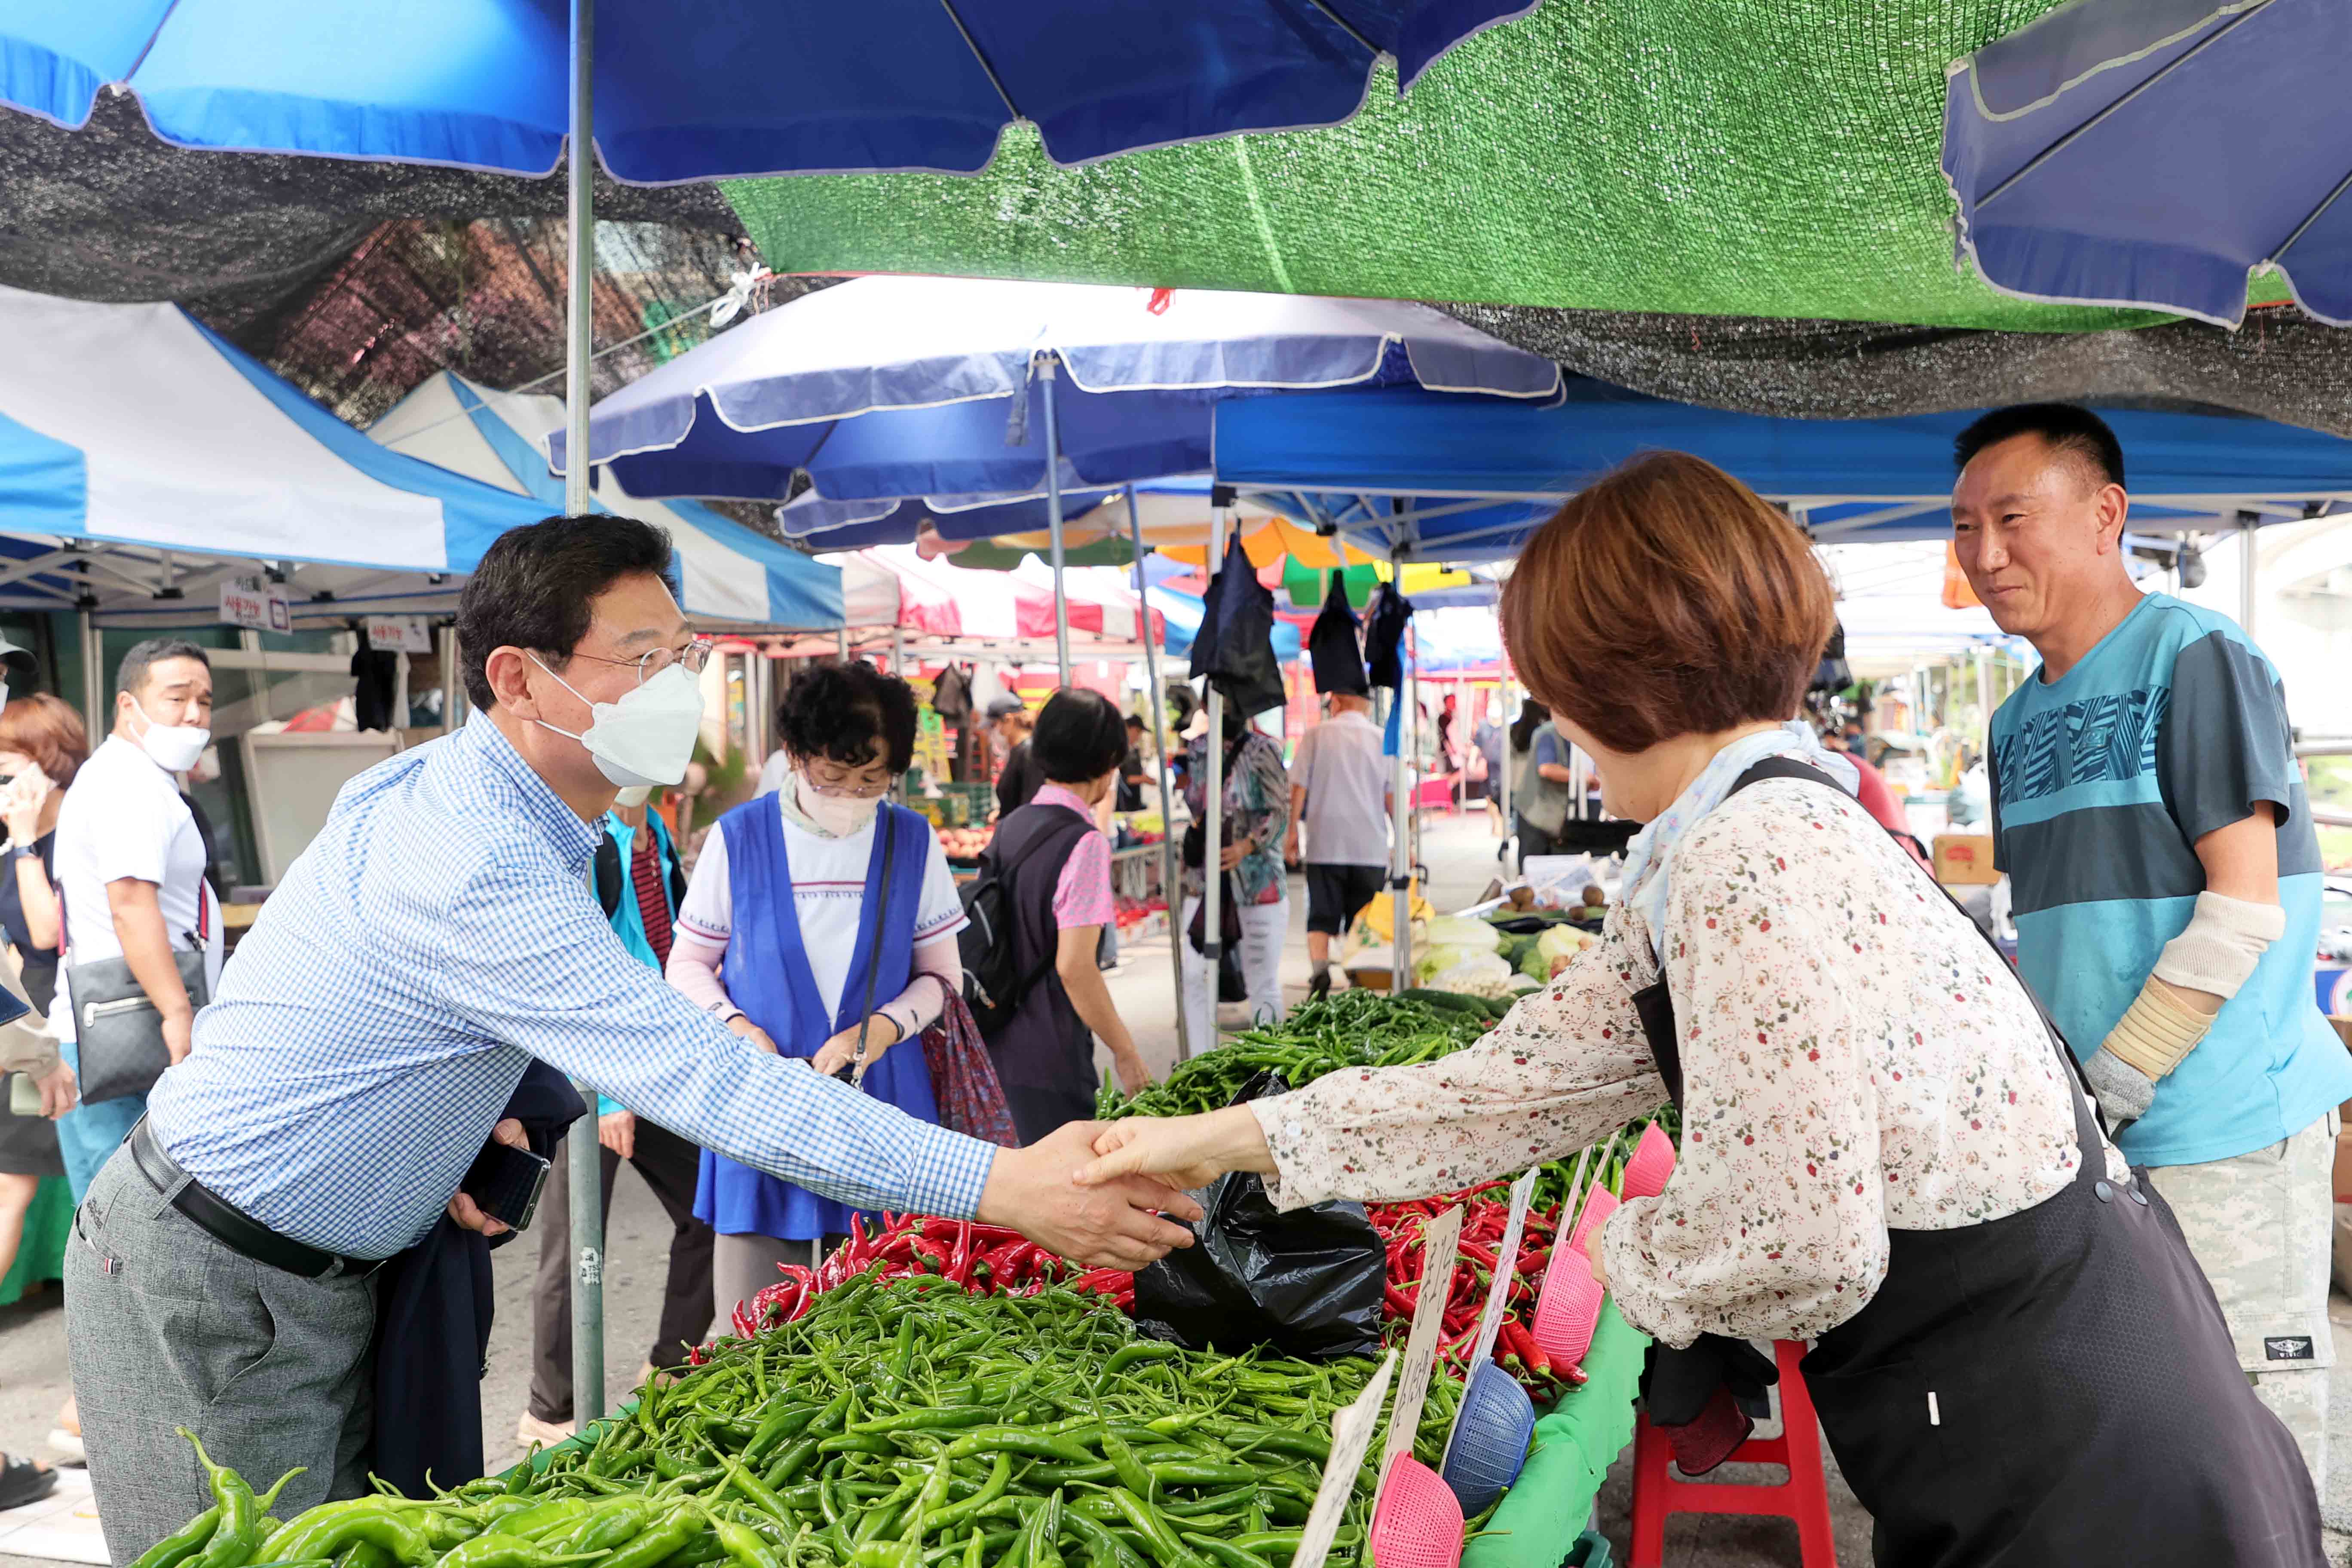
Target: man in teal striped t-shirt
x=2165 y=878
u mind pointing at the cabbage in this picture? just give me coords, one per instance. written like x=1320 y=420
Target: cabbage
x=1459 y=930
x=1475 y=974
x=1448 y=957
x=1559 y=942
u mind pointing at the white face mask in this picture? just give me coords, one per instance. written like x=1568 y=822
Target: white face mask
x=840 y=816
x=647 y=737
x=174 y=747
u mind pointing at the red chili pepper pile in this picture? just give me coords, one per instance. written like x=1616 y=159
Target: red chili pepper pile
x=985 y=1259
x=1484 y=1219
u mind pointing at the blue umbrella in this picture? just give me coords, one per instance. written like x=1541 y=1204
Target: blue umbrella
x=722 y=87
x=2152 y=151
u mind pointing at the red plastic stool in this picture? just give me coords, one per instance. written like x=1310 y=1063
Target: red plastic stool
x=1803 y=1496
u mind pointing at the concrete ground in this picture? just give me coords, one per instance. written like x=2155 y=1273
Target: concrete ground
x=1460 y=857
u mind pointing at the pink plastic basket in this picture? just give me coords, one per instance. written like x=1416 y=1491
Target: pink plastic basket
x=1568 y=1309
x=1417 y=1522
x=1652 y=1162
x=1597 y=1210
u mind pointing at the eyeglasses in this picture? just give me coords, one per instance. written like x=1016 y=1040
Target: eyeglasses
x=842 y=786
x=692 y=657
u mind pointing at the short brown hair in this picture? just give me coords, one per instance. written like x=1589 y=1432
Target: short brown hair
x=47 y=731
x=1667 y=599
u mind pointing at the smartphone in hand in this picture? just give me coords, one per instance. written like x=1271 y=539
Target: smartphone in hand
x=505 y=1184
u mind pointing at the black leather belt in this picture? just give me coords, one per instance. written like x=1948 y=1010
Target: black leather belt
x=232 y=1226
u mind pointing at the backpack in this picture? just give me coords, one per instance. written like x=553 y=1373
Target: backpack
x=993 y=984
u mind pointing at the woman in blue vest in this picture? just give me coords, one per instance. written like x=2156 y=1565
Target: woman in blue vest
x=787 y=936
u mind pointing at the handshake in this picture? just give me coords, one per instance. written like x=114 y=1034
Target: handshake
x=1106 y=1194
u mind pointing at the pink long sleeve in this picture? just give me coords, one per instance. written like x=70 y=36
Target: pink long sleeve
x=693 y=968
x=939 y=970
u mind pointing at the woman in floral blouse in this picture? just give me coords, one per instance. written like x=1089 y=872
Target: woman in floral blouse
x=1257 y=816
x=1884 y=1149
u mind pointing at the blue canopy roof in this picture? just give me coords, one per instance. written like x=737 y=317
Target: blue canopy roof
x=1852 y=478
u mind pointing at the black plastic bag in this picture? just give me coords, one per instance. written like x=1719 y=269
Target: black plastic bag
x=1308 y=1283
x=1337 y=645
x=1233 y=649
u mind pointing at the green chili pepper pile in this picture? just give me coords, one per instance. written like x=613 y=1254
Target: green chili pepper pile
x=896 y=1424
x=1347 y=1029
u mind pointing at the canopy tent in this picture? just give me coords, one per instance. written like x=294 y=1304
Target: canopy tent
x=2118 y=152
x=1851 y=480
x=934 y=605
x=725 y=572
x=143 y=460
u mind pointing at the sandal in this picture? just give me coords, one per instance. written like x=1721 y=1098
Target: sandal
x=23 y=1482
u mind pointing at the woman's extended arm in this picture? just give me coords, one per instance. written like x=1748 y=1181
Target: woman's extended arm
x=1568 y=1065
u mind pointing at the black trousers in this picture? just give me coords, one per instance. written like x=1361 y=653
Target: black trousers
x=669 y=1165
x=1038 y=1112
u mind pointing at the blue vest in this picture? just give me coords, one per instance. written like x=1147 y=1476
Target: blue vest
x=767 y=974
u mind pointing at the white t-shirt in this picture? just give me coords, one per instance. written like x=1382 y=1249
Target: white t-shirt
x=1347 y=781
x=828 y=895
x=124 y=818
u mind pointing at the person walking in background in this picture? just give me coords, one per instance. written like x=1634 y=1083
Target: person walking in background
x=1134 y=777
x=2165 y=878
x=31 y=734
x=1057 y=867
x=1539 y=780
x=1449 y=756
x=790 y=922
x=640 y=886
x=1017 y=782
x=1487 y=738
x=130 y=871
x=1340 y=797
x=41 y=743
x=1257 y=819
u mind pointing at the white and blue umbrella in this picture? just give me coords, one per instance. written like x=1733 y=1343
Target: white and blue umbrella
x=143 y=459
x=725 y=572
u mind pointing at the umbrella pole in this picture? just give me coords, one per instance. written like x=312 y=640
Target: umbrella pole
x=584 y=1157
x=1168 y=876
x=1053 y=523
x=1504 y=786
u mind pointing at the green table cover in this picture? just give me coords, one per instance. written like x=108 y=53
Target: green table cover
x=41 y=1255
x=1546 y=1509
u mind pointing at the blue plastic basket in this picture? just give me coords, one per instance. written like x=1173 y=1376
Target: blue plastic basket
x=1490 y=1439
x=1590 y=1550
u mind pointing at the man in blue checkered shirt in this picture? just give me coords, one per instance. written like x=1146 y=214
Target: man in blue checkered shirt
x=436 y=935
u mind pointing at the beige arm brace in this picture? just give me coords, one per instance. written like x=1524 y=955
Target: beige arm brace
x=2216 y=954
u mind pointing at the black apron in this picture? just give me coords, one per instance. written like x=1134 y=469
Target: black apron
x=2056 y=1386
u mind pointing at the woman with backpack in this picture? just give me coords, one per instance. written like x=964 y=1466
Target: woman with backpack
x=1053 y=867
x=809 y=911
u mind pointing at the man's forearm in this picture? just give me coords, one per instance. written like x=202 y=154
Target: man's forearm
x=147 y=948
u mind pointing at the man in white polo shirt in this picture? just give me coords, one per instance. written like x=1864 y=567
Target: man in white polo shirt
x=131 y=863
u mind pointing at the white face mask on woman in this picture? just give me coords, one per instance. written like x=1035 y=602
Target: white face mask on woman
x=646 y=738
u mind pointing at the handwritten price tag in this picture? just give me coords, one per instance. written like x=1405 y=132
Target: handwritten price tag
x=1352 y=1437
x=1440 y=1240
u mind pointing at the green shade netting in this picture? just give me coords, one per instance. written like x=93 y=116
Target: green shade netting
x=1724 y=157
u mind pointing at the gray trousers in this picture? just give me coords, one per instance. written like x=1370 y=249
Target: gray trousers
x=743 y=1265
x=167 y=1328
